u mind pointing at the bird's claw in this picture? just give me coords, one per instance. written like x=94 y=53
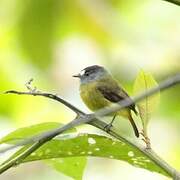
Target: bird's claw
x=108 y=127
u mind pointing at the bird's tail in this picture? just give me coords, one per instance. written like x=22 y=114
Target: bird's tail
x=136 y=132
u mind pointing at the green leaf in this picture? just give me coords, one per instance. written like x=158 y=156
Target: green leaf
x=143 y=82
x=72 y=166
x=36 y=30
x=76 y=145
x=30 y=131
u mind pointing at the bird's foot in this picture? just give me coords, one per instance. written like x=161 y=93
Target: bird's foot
x=108 y=127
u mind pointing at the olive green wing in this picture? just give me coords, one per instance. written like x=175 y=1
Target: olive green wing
x=115 y=93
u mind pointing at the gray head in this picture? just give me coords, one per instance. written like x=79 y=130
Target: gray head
x=91 y=73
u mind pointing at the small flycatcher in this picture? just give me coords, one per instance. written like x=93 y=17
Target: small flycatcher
x=98 y=89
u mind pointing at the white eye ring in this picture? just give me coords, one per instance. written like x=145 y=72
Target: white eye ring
x=82 y=72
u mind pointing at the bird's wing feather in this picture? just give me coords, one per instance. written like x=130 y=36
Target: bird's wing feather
x=115 y=94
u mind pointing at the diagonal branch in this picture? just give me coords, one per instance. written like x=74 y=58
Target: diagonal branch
x=87 y=118
x=91 y=119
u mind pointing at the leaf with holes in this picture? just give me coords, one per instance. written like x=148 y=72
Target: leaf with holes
x=143 y=82
x=76 y=145
x=72 y=167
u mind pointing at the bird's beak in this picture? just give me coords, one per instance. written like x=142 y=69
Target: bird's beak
x=77 y=75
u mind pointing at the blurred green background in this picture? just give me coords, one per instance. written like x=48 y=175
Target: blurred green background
x=50 y=40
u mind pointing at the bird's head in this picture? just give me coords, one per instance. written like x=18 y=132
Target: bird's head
x=91 y=73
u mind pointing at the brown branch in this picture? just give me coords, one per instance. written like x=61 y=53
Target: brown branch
x=47 y=95
x=91 y=119
x=88 y=118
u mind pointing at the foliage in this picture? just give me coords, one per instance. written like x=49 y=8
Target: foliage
x=71 y=145
x=143 y=82
x=37 y=35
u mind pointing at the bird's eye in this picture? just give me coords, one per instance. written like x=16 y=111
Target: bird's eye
x=86 y=74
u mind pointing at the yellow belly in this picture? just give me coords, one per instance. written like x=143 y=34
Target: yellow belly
x=94 y=100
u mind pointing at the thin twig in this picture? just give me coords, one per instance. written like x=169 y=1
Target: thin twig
x=85 y=118
x=47 y=95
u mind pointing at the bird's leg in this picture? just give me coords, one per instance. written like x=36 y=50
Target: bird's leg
x=108 y=126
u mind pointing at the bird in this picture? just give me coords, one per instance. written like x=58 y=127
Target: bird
x=98 y=89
